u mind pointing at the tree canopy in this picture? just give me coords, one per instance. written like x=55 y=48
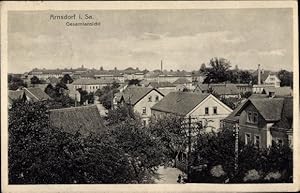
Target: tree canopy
x=39 y=154
x=66 y=79
x=218 y=71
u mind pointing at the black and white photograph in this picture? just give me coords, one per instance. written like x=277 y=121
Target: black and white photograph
x=155 y=95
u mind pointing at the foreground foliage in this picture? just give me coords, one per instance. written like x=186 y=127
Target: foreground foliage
x=39 y=154
x=217 y=150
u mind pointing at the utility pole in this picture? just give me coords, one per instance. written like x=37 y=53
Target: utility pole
x=189 y=148
x=236 y=158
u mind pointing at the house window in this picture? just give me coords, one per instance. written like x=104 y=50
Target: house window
x=249 y=117
x=215 y=110
x=247 y=138
x=255 y=117
x=257 y=140
x=150 y=99
x=156 y=98
x=144 y=110
x=206 y=111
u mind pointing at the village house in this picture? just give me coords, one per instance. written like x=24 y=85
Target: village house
x=225 y=90
x=141 y=99
x=183 y=83
x=204 y=108
x=92 y=85
x=27 y=94
x=243 y=88
x=263 y=120
x=82 y=119
x=44 y=74
x=265 y=80
x=104 y=74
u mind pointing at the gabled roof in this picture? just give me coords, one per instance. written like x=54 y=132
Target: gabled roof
x=84 y=81
x=271 y=109
x=232 y=116
x=182 y=81
x=14 y=95
x=286 y=121
x=179 y=103
x=85 y=119
x=36 y=94
x=203 y=87
x=132 y=95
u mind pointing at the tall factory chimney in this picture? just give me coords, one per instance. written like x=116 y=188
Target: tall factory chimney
x=161 y=65
x=258 y=75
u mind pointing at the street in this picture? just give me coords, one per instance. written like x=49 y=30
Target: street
x=167 y=175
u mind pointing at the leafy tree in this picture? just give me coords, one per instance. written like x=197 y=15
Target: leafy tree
x=85 y=96
x=15 y=82
x=57 y=93
x=286 y=78
x=106 y=94
x=134 y=82
x=35 y=80
x=245 y=77
x=169 y=131
x=66 y=79
x=39 y=154
x=218 y=149
x=120 y=114
x=218 y=72
x=144 y=151
x=203 y=68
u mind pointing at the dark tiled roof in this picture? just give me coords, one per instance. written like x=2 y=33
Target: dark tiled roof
x=280 y=91
x=179 y=103
x=36 y=94
x=85 y=119
x=286 y=121
x=225 y=89
x=132 y=95
x=182 y=81
x=232 y=116
x=269 y=108
x=278 y=110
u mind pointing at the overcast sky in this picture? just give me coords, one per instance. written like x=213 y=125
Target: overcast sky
x=183 y=39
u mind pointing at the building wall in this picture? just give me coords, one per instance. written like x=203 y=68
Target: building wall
x=89 y=88
x=145 y=103
x=273 y=80
x=212 y=120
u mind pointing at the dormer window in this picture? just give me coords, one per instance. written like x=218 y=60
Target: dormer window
x=252 y=117
x=157 y=98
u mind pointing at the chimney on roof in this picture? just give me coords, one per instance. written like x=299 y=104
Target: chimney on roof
x=258 y=75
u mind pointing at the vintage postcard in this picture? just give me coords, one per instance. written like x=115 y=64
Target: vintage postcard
x=149 y=96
